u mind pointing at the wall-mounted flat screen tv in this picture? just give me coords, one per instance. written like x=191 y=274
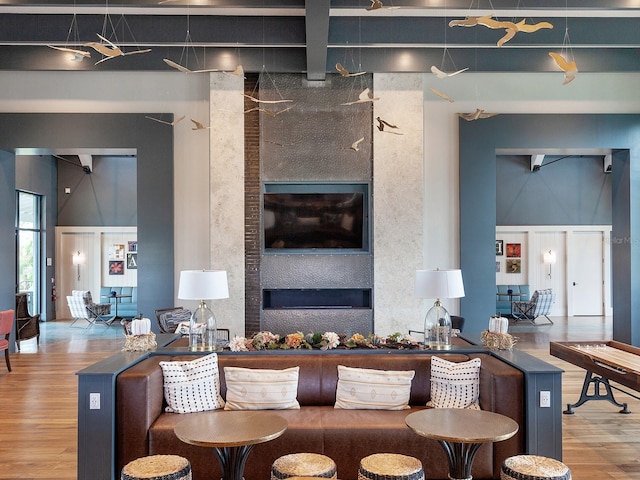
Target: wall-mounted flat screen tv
x=299 y=217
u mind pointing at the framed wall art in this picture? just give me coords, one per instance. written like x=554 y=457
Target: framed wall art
x=514 y=266
x=499 y=247
x=132 y=261
x=514 y=250
x=116 y=267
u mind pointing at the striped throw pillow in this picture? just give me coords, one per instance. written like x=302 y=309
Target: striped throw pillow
x=261 y=389
x=368 y=389
x=192 y=386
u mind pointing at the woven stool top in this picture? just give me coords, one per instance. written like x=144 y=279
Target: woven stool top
x=534 y=467
x=390 y=465
x=305 y=465
x=157 y=467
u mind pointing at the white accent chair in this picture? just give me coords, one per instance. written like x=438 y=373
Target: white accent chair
x=82 y=307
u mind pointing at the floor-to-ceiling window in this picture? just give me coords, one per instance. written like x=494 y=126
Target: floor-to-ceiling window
x=28 y=247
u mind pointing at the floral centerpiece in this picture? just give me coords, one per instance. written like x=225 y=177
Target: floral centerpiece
x=323 y=341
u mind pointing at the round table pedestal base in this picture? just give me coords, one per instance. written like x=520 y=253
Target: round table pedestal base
x=460 y=456
x=232 y=461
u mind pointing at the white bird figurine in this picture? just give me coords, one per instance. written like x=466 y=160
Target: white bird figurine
x=198 y=125
x=179 y=67
x=479 y=113
x=345 y=73
x=383 y=123
x=440 y=74
x=570 y=68
x=355 y=146
x=238 y=72
x=258 y=100
x=441 y=95
x=111 y=50
x=175 y=122
x=77 y=53
x=363 y=98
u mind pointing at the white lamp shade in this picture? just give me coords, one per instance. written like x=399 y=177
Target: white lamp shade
x=78 y=258
x=549 y=257
x=203 y=285
x=439 y=284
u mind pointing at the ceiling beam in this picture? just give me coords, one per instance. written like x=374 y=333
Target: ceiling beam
x=317 y=30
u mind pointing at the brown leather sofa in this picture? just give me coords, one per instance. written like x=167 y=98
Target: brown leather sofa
x=344 y=435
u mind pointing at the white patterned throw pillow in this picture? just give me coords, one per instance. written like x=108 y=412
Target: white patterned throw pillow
x=455 y=384
x=368 y=389
x=192 y=386
x=261 y=389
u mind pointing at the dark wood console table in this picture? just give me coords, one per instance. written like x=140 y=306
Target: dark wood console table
x=615 y=361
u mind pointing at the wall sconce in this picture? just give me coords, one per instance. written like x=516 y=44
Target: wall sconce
x=549 y=258
x=78 y=259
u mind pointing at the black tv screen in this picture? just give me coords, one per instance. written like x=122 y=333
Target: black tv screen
x=315 y=220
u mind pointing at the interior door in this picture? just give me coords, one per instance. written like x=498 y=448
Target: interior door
x=587 y=276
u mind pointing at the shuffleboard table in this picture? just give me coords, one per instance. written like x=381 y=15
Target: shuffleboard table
x=604 y=362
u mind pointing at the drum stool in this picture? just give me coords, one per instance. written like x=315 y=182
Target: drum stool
x=534 y=467
x=390 y=466
x=304 y=465
x=157 y=467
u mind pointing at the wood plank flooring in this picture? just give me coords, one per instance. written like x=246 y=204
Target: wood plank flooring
x=38 y=438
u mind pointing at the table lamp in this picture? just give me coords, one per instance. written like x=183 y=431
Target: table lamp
x=437 y=323
x=203 y=285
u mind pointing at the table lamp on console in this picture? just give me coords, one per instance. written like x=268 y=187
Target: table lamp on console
x=203 y=285
x=437 y=323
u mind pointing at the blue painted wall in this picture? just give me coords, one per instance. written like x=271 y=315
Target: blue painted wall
x=107 y=197
x=154 y=145
x=478 y=143
x=566 y=190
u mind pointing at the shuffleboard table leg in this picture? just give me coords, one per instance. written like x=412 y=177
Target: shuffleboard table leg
x=585 y=396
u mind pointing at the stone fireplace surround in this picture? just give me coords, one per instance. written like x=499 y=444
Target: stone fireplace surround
x=245 y=153
x=308 y=147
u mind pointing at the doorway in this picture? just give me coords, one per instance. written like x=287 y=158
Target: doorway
x=154 y=187
x=587 y=274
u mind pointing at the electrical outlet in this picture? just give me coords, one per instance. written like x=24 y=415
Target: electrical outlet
x=94 y=401
x=545 y=398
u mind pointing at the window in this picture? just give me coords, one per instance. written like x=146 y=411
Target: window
x=28 y=247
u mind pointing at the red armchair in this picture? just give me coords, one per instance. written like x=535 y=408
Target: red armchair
x=6 y=324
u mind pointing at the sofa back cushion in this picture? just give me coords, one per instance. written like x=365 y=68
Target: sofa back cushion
x=133 y=291
x=521 y=292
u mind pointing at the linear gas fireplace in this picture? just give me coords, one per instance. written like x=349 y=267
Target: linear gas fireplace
x=316 y=298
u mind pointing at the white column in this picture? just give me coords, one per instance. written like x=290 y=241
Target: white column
x=397 y=201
